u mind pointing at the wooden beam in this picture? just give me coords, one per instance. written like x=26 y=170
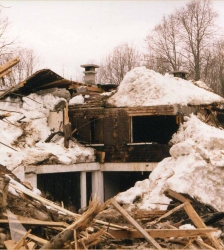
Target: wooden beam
x=5 y=73
x=176 y=196
x=9 y=65
x=36 y=222
x=161 y=233
x=135 y=224
x=165 y=215
x=140 y=214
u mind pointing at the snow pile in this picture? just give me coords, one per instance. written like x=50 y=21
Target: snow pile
x=79 y=99
x=26 y=129
x=144 y=87
x=196 y=167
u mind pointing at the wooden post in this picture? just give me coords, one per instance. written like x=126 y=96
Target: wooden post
x=67 y=128
x=83 y=189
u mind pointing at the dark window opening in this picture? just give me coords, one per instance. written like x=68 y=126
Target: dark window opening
x=115 y=182
x=96 y=130
x=89 y=131
x=158 y=129
x=63 y=187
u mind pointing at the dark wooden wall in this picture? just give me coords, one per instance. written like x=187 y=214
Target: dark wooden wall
x=115 y=131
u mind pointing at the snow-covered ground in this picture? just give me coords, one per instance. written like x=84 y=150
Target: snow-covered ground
x=25 y=140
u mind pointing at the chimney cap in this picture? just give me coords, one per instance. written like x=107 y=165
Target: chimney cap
x=89 y=65
x=179 y=71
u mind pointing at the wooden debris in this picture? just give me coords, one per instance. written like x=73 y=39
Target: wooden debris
x=79 y=225
x=53 y=205
x=21 y=241
x=8 y=65
x=161 y=233
x=194 y=216
x=143 y=214
x=135 y=224
x=166 y=215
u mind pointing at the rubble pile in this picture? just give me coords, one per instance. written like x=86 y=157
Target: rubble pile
x=30 y=221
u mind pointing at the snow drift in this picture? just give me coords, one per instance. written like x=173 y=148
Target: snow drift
x=196 y=167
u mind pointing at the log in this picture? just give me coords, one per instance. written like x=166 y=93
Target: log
x=58 y=241
x=82 y=223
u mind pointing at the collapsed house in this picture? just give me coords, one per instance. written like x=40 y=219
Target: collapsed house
x=76 y=140
x=124 y=136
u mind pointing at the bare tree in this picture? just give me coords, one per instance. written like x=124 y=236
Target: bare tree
x=164 y=45
x=5 y=42
x=121 y=60
x=197 y=33
x=183 y=40
x=214 y=69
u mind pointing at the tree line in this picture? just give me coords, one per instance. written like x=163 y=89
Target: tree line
x=188 y=39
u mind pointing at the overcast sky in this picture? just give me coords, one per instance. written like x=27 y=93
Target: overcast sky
x=66 y=34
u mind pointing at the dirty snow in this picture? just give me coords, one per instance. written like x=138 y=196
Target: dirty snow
x=24 y=133
x=144 y=87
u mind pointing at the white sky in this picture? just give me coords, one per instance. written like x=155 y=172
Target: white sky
x=66 y=34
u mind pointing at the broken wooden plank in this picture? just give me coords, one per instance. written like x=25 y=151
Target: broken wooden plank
x=140 y=214
x=9 y=64
x=135 y=224
x=21 y=241
x=9 y=244
x=165 y=215
x=203 y=244
x=176 y=195
x=5 y=73
x=161 y=233
x=36 y=222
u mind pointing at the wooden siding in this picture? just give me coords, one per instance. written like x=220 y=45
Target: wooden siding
x=116 y=130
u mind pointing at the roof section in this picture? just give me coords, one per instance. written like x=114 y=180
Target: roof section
x=45 y=79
